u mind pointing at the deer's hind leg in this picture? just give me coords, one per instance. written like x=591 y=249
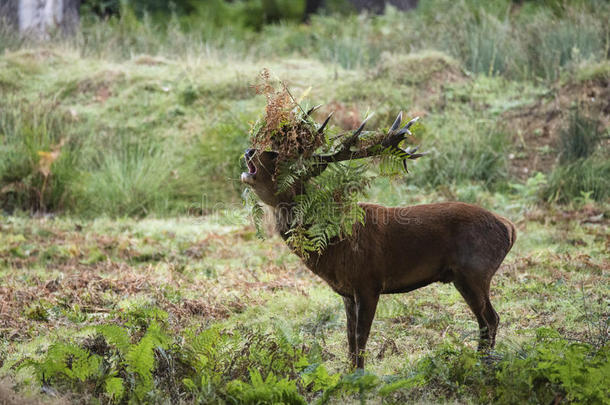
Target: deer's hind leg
x=493 y=320
x=476 y=295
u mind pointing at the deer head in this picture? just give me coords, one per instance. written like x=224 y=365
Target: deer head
x=261 y=175
x=262 y=164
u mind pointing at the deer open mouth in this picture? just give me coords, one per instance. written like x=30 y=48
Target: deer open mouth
x=248 y=156
x=251 y=167
x=249 y=177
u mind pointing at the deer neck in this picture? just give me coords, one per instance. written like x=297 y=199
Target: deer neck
x=320 y=263
x=283 y=214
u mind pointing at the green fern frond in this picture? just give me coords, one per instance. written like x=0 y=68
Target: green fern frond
x=66 y=360
x=114 y=389
x=140 y=358
x=256 y=211
x=115 y=336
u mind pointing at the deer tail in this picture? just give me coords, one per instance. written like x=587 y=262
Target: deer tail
x=512 y=232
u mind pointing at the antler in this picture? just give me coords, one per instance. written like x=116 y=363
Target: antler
x=389 y=142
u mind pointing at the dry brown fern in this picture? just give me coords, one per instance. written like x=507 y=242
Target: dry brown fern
x=285 y=128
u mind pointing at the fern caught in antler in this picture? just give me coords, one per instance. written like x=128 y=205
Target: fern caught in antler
x=331 y=171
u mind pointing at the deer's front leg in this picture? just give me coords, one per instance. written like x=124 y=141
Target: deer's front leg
x=350 y=313
x=366 y=305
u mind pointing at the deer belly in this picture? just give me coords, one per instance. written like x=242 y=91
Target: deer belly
x=343 y=276
x=413 y=283
x=405 y=274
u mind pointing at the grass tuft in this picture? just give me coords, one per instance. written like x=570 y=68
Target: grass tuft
x=418 y=68
x=132 y=179
x=582 y=178
x=580 y=139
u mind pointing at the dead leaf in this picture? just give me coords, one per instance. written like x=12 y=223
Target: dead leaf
x=48 y=158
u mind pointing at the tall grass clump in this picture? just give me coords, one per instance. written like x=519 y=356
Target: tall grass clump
x=133 y=178
x=466 y=152
x=553 y=43
x=122 y=37
x=579 y=179
x=38 y=156
x=9 y=39
x=580 y=139
x=484 y=42
x=584 y=166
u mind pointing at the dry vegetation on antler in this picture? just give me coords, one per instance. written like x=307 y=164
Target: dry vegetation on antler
x=284 y=128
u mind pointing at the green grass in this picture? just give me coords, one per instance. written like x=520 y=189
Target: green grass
x=201 y=277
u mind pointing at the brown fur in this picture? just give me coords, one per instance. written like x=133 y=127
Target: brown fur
x=401 y=249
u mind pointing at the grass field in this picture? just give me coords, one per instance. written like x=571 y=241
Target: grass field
x=199 y=276
x=131 y=273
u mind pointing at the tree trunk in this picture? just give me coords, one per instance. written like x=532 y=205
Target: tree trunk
x=374 y=6
x=39 y=17
x=70 y=16
x=311 y=7
x=9 y=13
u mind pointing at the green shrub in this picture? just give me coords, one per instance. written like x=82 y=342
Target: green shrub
x=359 y=384
x=554 y=368
x=531 y=191
x=139 y=360
x=542 y=370
x=142 y=361
x=106 y=365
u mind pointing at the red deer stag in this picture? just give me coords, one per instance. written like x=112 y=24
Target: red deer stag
x=397 y=249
